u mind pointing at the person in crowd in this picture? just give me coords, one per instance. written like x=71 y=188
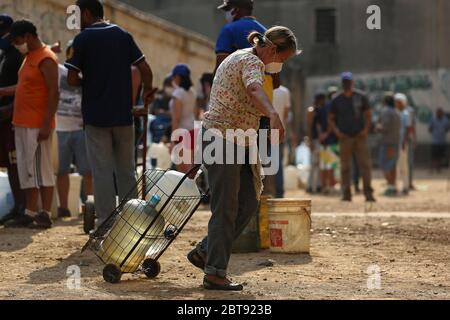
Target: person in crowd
x=236 y=188
x=329 y=148
x=10 y=61
x=389 y=128
x=71 y=139
x=350 y=119
x=439 y=127
x=401 y=103
x=35 y=105
x=206 y=82
x=314 y=184
x=282 y=104
x=160 y=127
x=183 y=106
x=412 y=143
x=104 y=53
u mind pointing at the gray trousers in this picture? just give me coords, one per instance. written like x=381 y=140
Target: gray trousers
x=233 y=203
x=110 y=151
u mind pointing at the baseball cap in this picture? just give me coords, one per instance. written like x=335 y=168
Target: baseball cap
x=181 y=70
x=228 y=4
x=346 y=76
x=5 y=22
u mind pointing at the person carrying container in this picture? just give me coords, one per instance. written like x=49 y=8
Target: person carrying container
x=236 y=186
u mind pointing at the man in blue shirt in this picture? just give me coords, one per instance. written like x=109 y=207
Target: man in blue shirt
x=240 y=23
x=101 y=64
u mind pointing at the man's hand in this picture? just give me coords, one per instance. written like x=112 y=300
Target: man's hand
x=44 y=133
x=276 y=124
x=149 y=95
x=56 y=47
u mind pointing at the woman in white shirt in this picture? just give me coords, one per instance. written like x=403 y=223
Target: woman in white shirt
x=183 y=107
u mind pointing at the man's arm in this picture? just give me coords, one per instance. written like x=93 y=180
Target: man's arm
x=261 y=101
x=219 y=59
x=49 y=71
x=73 y=78
x=367 y=122
x=147 y=78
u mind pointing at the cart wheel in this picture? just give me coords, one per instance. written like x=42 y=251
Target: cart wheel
x=112 y=273
x=89 y=217
x=151 y=268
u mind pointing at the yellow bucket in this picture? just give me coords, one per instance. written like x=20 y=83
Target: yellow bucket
x=264 y=223
x=289 y=225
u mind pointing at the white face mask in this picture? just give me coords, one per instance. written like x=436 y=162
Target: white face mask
x=23 y=48
x=274 y=67
x=168 y=91
x=229 y=16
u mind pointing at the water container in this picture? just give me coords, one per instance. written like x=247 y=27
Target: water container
x=159 y=156
x=249 y=240
x=289 y=225
x=134 y=219
x=6 y=197
x=166 y=185
x=74 y=195
x=291 y=178
x=264 y=222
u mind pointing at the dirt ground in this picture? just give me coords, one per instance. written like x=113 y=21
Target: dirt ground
x=407 y=239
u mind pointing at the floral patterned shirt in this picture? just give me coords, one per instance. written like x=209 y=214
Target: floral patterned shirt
x=230 y=105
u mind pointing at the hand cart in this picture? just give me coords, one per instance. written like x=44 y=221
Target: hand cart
x=139 y=231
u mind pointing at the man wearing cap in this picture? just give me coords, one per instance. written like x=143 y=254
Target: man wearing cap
x=101 y=63
x=10 y=62
x=350 y=118
x=35 y=105
x=71 y=139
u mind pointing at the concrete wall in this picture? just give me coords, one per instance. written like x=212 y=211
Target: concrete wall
x=163 y=43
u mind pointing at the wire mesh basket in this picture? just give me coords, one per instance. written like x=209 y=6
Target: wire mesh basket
x=145 y=223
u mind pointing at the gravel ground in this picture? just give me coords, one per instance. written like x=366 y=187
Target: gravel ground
x=405 y=239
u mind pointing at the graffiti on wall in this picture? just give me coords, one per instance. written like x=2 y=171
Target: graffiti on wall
x=426 y=91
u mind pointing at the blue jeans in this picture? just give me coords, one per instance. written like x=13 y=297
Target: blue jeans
x=111 y=152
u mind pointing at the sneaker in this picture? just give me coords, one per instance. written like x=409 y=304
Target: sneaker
x=370 y=198
x=22 y=221
x=64 y=213
x=13 y=214
x=42 y=221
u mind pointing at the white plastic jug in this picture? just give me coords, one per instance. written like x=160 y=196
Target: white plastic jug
x=290 y=178
x=166 y=185
x=74 y=195
x=6 y=196
x=134 y=219
x=160 y=152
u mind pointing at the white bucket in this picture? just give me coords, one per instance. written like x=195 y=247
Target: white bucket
x=74 y=195
x=289 y=225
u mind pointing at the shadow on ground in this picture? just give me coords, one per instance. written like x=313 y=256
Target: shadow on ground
x=16 y=239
